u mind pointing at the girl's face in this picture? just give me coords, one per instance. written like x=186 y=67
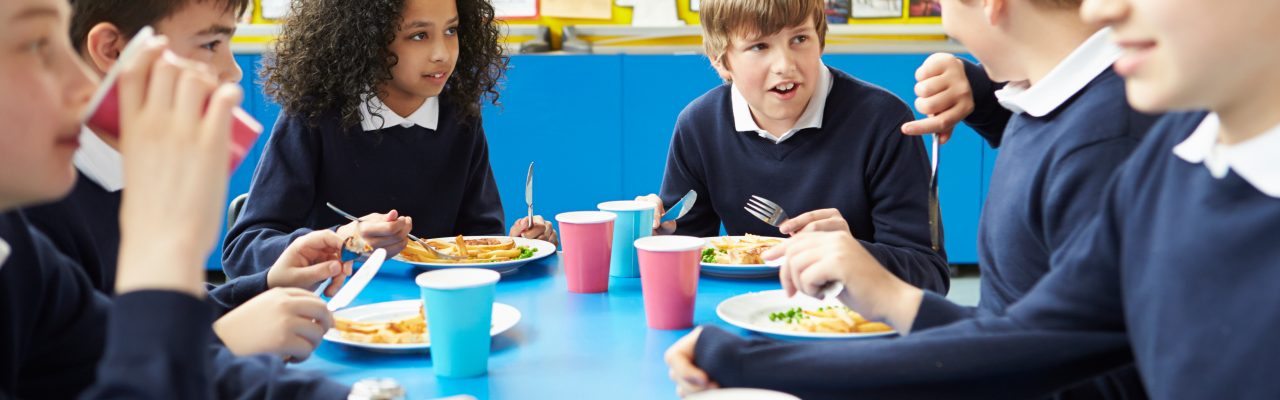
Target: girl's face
x=43 y=88
x=427 y=49
x=1190 y=54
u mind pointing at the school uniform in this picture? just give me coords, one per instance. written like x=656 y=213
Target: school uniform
x=1175 y=273
x=432 y=165
x=58 y=341
x=85 y=225
x=1065 y=138
x=845 y=152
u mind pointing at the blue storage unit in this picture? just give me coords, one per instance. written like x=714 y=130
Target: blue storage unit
x=598 y=127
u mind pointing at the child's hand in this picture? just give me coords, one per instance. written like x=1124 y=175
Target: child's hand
x=308 y=261
x=541 y=229
x=815 y=259
x=944 y=95
x=665 y=228
x=286 y=322
x=388 y=231
x=824 y=220
x=175 y=124
x=688 y=377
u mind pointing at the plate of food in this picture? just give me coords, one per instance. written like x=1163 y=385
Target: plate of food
x=773 y=314
x=499 y=253
x=398 y=326
x=738 y=256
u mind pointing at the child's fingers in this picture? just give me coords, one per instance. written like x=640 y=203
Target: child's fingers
x=132 y=83
x=935 y=65
x=193 y=90
x=161 y=85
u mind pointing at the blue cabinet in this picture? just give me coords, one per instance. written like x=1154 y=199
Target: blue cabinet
x=598 y=127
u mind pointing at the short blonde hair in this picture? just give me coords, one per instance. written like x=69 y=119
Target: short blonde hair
x=723 y=18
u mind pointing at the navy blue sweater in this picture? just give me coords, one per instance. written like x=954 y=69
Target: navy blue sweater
x=440 y=178
x=85 y=226
x=858 y=162
x=1177 y=273
x=1045 y=187
x=57 y=342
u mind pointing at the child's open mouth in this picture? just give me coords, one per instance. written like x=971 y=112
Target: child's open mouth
x=784 y=89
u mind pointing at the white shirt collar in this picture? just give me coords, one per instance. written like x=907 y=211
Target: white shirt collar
x=1085 y=63
x=427 y=115
x=98 y=161
x=1254 y=160
x=811 y=118
x=4 y=252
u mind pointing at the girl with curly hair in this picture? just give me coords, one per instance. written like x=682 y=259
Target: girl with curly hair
x=381 y=106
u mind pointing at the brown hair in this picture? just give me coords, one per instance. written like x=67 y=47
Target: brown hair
x=723 y=18
x=129 y=16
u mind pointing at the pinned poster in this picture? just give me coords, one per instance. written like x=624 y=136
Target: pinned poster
x=510 y=9
x=274 y=9
x=589 y=9
x=653 y=12
x=877 y=9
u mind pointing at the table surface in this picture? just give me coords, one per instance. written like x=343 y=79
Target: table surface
x=566 y=345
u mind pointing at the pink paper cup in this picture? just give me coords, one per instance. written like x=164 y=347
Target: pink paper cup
x=669 y=279
x=587 y=237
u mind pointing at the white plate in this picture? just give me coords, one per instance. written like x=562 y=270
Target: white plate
x=504 y=317
x=751 y=312
x=541 y=249
x=738 y=270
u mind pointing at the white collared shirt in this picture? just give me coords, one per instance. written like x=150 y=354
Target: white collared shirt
x=427 y=115
x=1069 y=77
x=98 y=161
x=4 y=252
x=810 y=118
x=1254 y=160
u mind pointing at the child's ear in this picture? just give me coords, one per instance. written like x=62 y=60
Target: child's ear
x=103 y=46
x=994 y=10
x=721 y=68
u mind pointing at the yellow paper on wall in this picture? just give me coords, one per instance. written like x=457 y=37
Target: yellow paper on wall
x=592 y=9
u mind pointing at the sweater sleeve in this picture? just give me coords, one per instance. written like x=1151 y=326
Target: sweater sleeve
x=154 y=350
x=236 y=291
x=683 y=173
x=282 y=193
x=988 y=118
x=266 y=377
x=1065 y=331
x=481 y=212
x=898 y=188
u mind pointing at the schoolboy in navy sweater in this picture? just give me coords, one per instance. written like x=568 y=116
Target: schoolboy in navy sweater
x=158 y=329
x=808 y=137
x=1141 y=282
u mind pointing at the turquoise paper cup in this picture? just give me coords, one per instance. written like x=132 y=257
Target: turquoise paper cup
x=459 y=308
x=635 y=221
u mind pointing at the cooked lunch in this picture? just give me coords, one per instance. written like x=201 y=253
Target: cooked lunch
x=401 y=331
x=476 y=250
x=744 y=250
x=829 y=319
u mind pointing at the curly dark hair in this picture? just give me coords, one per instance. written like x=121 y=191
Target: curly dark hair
x=332 y=55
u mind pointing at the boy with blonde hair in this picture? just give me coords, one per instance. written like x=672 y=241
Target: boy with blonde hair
x=806 y=136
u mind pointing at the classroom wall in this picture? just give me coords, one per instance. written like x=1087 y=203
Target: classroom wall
x=598 y=127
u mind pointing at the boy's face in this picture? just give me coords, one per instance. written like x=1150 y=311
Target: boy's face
x=775 y=73
x=427 y=49
x=43 y=87
x=967 y=22
x=1188 y=54
x=202 y=31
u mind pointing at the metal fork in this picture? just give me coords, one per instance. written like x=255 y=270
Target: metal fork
x=769 y=212
x=430 y=249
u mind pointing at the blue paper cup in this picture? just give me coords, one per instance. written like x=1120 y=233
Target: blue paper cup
x=635 y=220
x=459 y=308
